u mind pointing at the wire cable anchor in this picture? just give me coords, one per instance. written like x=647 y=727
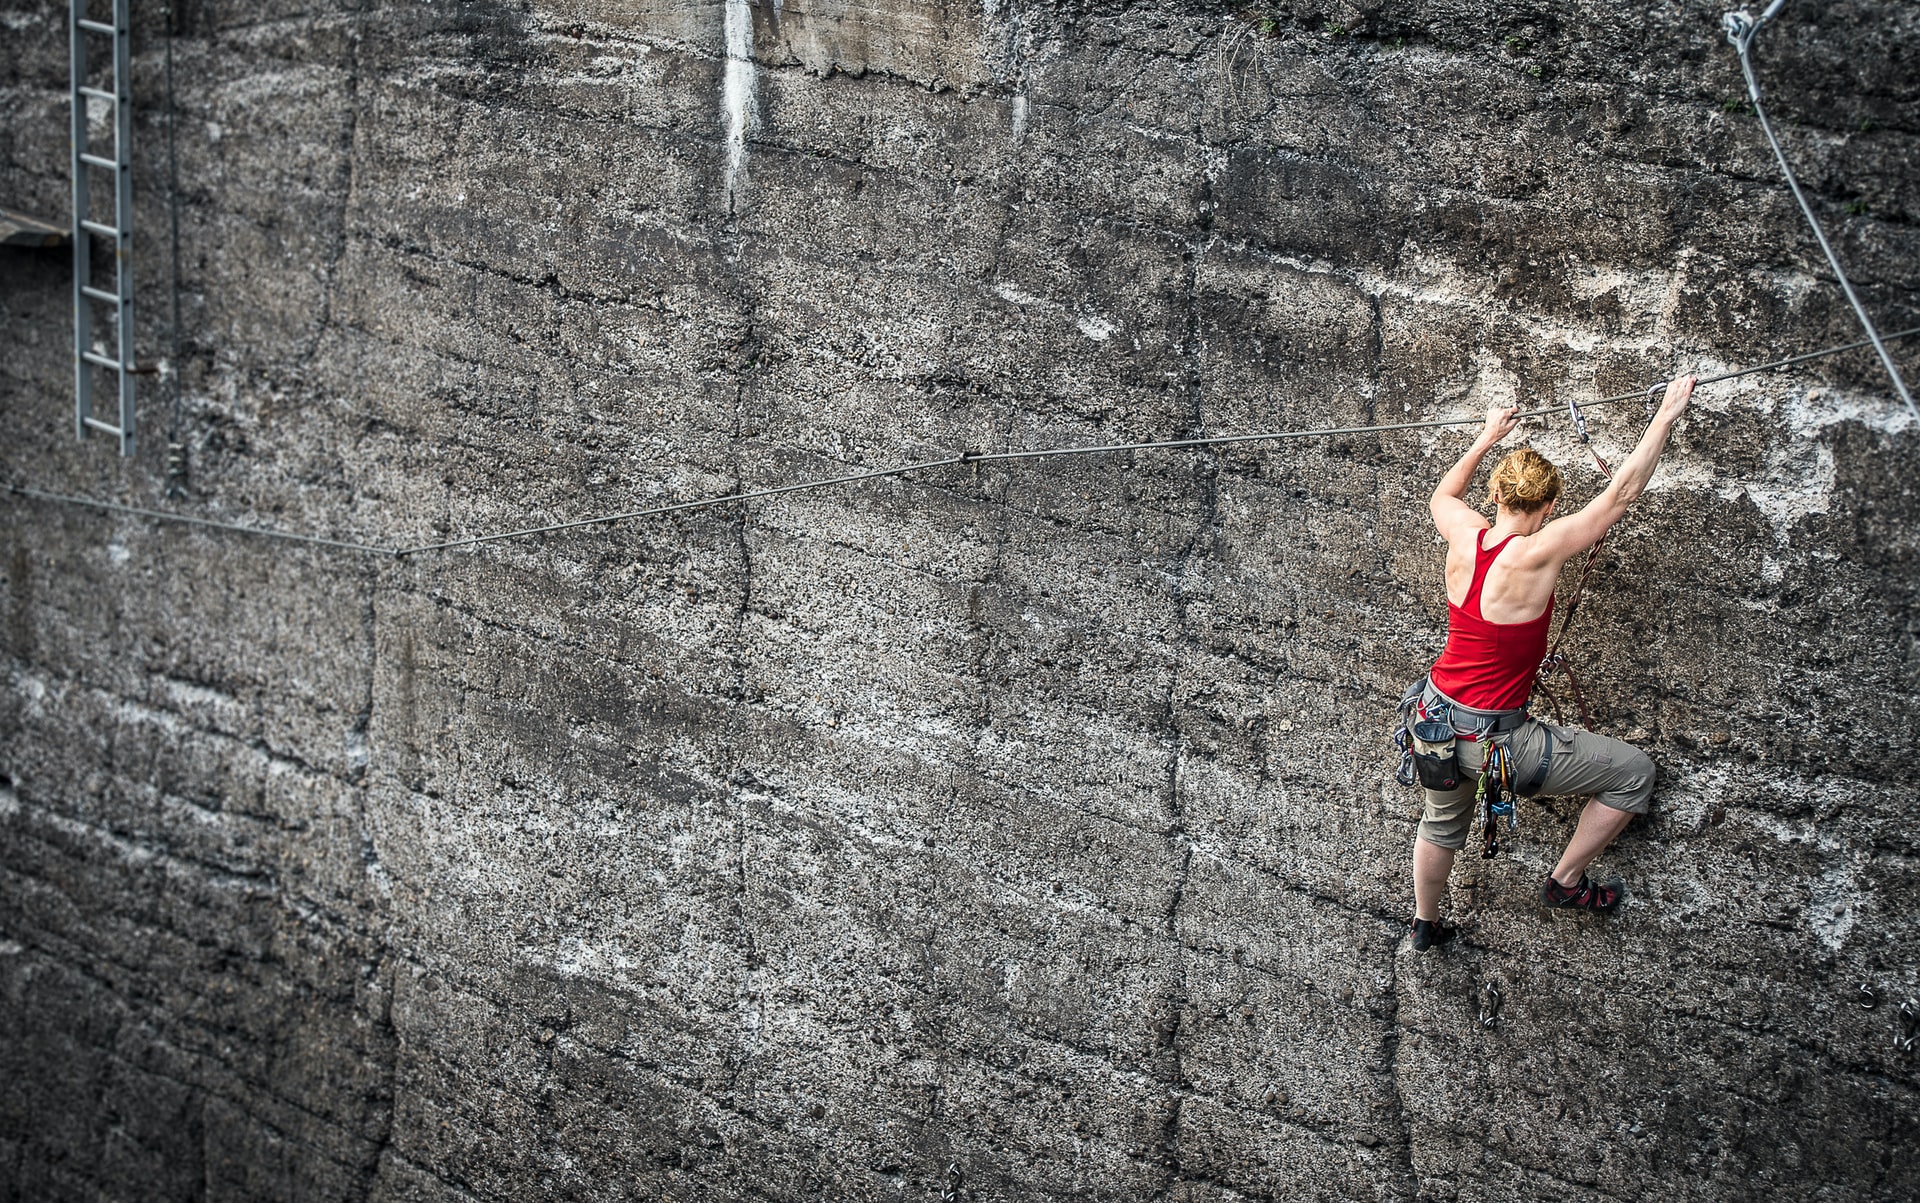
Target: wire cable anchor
x=176 y=470
x=1741 y=26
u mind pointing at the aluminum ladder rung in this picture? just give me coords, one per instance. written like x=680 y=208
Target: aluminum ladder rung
x=83 y=91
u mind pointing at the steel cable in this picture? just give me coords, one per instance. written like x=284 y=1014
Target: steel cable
x=980 y=457
x=964 y=457
x=264 y=532
x=1741 y=27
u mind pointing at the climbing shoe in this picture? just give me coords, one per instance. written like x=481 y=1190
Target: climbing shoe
x=1582 y=896
x=1429 y=933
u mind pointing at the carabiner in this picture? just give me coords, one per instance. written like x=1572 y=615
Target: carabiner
x=1579 y=419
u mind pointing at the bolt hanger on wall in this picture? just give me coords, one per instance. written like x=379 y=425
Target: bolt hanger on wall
x=119 y=302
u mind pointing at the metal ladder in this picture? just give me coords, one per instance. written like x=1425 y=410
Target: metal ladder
x=85 y=295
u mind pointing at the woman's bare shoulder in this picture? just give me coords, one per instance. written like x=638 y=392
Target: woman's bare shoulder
x=1464 y=539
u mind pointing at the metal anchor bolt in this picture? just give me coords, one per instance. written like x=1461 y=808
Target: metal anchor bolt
x=1490 y=1000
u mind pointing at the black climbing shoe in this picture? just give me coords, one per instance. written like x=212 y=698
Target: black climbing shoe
x=1429 y=933
x=1584 y=896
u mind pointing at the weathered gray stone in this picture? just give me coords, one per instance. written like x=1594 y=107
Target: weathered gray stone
x=1030 y=818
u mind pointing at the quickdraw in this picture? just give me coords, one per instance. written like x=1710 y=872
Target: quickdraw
x=1494 y=798
x=1411 y=706
x=1580 y=428
x=1403 y=743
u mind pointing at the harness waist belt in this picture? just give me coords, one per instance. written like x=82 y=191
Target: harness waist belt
x=1464 y=725
x=1469 y=723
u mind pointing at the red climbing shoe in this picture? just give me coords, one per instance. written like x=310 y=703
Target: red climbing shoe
x=1583 y=896
x=1430 y=933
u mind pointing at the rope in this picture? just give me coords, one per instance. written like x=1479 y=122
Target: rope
x=1555 y=660
x=965 y=457
x=1741 y=27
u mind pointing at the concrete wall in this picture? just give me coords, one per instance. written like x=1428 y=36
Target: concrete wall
x=1036 y=819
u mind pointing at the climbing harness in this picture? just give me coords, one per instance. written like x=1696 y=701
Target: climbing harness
x=1741 y=26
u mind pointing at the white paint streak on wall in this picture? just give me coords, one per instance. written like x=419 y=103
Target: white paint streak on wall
x=1020 y=117
x=736 y=98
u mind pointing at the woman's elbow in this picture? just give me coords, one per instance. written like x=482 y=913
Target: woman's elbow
x=1620 y=494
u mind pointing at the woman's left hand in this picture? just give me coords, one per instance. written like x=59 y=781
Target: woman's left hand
x=1501 y=419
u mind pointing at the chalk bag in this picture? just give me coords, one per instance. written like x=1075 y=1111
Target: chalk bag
x=1435 y=758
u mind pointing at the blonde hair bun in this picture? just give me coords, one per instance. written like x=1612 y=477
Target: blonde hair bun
x=1525 y=481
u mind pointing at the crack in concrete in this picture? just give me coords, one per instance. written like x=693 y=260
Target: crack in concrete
x=1193 y=385
x=734 y=774
x=338 y=237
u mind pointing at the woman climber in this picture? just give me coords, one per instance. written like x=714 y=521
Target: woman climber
x=1500 y=584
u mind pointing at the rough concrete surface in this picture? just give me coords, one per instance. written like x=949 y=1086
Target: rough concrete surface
x=1034 y=820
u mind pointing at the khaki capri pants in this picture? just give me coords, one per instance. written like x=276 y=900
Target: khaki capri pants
x=1614 y=772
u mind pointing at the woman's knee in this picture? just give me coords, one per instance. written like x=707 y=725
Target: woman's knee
x=1637 y=788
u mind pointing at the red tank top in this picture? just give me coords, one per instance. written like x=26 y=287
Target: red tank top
x=1489 y=665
